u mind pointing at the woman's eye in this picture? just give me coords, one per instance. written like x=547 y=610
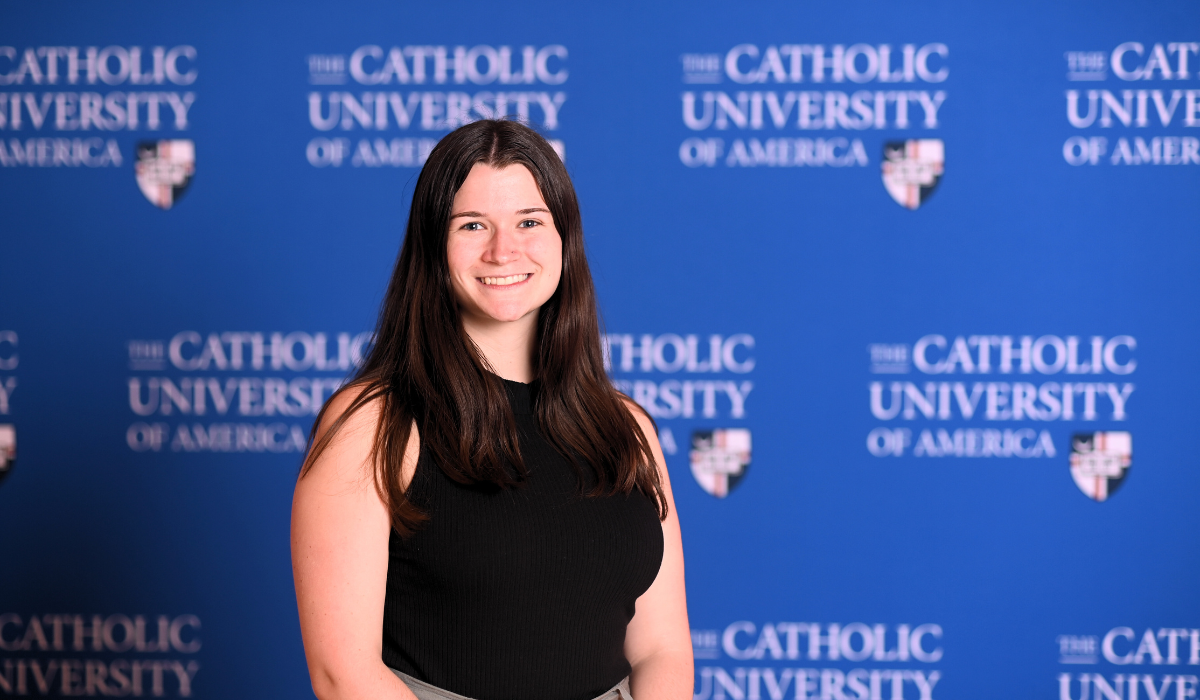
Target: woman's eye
x=527 y=223
x=473 y=226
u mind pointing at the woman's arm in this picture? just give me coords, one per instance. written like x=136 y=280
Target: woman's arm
x=658 y=641
x=340 y=530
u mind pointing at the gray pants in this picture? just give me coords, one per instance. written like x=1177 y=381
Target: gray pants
x=424 y=691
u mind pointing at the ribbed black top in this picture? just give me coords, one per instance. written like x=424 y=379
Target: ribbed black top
x=518 y=594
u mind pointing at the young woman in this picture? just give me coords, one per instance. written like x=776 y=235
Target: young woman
x=481 y=513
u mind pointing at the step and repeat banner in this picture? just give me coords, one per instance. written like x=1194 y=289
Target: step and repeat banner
x=909 y=289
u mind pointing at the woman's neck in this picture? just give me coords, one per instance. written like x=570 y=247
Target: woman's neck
x=507 y=346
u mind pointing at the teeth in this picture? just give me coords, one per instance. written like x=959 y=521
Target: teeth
x=505 y=281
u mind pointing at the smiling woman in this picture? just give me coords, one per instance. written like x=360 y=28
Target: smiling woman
x=505 y=259
x=481 y=514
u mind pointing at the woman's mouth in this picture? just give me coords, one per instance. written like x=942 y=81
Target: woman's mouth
x=504 y=281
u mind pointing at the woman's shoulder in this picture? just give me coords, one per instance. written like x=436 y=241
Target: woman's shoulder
x=352 y=411
x=644 y=421
x=346 y=440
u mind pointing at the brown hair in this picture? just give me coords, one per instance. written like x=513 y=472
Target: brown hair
x=424 y=369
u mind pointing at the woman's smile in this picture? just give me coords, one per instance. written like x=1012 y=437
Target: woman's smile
x=509 y=281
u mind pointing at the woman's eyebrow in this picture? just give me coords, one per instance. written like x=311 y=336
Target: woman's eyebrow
x=480 y=216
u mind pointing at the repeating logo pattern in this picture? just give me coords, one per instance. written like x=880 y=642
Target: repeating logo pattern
x=164 y=170
x=8 y=449
x=912 y=169
x=1100 y=462
x=720 y=459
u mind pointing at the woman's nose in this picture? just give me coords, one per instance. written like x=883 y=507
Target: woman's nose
x=503 y=247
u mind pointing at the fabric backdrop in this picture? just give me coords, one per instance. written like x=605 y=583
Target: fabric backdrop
x=909 y=288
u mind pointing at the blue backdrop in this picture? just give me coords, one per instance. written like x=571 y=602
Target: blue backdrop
x=903 y=285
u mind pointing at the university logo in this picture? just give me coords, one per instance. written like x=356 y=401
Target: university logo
x=1100 y=462
x=164 y=170
x=720 y=459
x=912 y=169
x=8 y=449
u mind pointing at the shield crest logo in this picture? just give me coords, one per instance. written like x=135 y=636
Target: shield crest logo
x=164 y=170
x=1100 y=462
x=912 y=169
x=720 y=459
x=8 y=449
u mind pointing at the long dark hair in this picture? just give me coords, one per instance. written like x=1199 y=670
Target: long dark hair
x=424 y=370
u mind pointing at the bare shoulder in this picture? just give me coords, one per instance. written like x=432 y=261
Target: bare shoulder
x=346 y=455
x=361 y=419
x=651 y=432
x=643 y=419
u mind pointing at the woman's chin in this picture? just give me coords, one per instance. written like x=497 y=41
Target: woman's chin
x=503 y=315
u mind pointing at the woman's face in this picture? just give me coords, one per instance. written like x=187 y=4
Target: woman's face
x=504 y=252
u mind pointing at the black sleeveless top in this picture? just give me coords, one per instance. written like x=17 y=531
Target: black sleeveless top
x=523 y=593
